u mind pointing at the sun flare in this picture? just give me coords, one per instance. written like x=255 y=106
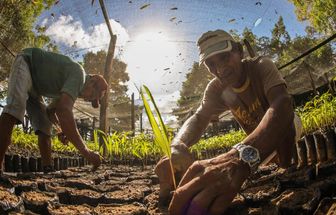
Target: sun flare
x=149 y=54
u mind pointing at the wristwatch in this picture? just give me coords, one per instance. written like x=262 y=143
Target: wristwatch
x=249 y=155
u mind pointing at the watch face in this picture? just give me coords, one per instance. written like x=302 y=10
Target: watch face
x=249 y=154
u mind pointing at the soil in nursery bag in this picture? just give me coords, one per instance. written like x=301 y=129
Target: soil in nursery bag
x=60 y=209
x=127 y=209
x=327 y=206
x=73 y=196
x=326 y=185
x=297 y=201
x=22 y=185
x=239 y=207
x=326 y=169
x=79 y=183
x=37 y=201
x=9 y=201
x=297 y=178
x=127 y=194
x=260 y=195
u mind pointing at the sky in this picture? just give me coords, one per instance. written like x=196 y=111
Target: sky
x=157 y=38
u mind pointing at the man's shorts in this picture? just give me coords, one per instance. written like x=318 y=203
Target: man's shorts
x=21 y=96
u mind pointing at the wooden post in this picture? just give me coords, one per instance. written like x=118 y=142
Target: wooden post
x=132 y=114
x=107 y=72
x=104 y=100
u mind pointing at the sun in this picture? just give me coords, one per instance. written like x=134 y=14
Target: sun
x=149 y=54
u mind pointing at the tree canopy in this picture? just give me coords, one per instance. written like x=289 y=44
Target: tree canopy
x=320 y=13
x=17 y=31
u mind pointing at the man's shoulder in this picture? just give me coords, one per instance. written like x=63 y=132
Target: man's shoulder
x=259 y=62
x=215 y=85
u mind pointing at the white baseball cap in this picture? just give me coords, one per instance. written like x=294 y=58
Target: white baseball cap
x=212 y=43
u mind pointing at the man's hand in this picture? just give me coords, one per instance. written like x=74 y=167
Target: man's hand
x=62 y=138
x=209 y=186
x=94 y=158
x=181 y=160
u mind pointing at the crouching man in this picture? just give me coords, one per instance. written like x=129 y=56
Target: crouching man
x=256 y=94
x=36 y=73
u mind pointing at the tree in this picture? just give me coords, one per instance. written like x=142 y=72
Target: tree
x=192 y=91
x=319 y=59
x=17 y=20
x=119 y=101
x=320 y=13
x=280 y=39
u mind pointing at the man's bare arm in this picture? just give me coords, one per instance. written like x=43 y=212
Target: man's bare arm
x=63 y=109
x=275 y=124
x=192 y=130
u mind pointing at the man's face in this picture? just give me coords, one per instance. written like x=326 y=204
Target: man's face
x=91 y=93
x=226 y=67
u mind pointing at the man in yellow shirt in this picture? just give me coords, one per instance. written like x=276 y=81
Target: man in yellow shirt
x=256 y=94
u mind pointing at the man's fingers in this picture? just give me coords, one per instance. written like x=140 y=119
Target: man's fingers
x=221 y=203
x=183 y=195
x=201 y=202
x=194 y=170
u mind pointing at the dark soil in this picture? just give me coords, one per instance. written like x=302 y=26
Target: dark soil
x=134 y=190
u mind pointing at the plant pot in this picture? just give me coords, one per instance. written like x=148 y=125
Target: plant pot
x=311 y=150
x=295 y=157
x=326 y=185
x=127 y=194
x=24 y=164
x=70 y=164
x=261 y=195
x=9 y=163
x=321 y=151
x=32 y=162
x=16 y=163
x=302 y=153
x=22 y=185
x=39 y=165
x=79 y=183
x=64 y=163
x=56 y=164
x=131 y=209
x=61 y=209
x=297 y=201
x=38 y=201
x=326 y=169
x=300 y=178
x=9 y=202
x=326 y=206
x=75 y=162
x=81 y=162
x=60 y=163
x=330 y=144
x=85 y=196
